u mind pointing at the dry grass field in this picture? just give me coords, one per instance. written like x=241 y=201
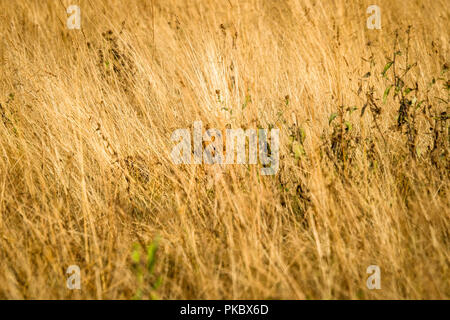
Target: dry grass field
x=86 y=178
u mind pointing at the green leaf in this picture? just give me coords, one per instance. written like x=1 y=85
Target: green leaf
x=138 y=295
x=151 y=254
x=135 y=254
x=247 y=100
x=298 y=150
x=419 y=104
x=386 y=68
x=291 y=139
x=348 y=125
x=157 y=283
x=386 y=93
x=302 y=134
x=352 y=109
x=332 y=117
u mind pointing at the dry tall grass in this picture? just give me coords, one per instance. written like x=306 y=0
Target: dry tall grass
x=85 y=172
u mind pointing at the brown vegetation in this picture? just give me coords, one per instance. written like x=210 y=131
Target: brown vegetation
x=86 y=178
